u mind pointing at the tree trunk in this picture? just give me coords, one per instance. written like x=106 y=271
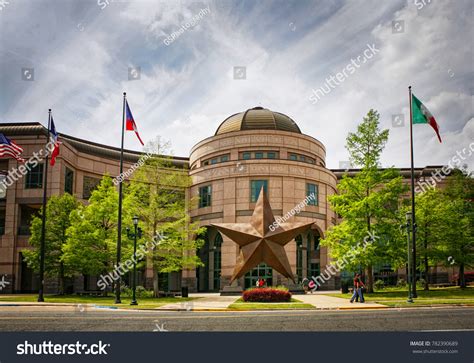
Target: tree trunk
x=104 y=292
x=61 y=279
x=426 y=257
x=156 y=287
x=370 y=279
x=426 y=273
x=462 y=280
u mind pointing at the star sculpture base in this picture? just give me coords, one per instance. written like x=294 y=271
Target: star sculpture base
x=258 y=243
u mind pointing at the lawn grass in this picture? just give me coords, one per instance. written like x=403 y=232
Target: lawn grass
x=397 y=297
x=143 y=302
x=240 y=304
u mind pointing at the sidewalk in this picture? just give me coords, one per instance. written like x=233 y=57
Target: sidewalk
x=206 y=302
x=325 y=302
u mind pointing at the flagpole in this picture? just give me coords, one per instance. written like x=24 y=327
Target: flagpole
x=119 y=222
x=413 y=218
x=43 y=217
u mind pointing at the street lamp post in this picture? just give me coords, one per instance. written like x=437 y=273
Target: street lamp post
x=407 y=225
x=137 y=234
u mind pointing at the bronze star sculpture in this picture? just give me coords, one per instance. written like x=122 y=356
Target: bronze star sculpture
x=258 y=243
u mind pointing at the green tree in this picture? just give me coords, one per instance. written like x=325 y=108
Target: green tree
x=458 y=247
x=58 y=210
x=432 y=210
x=92 y=237
x=368 y=203
x=159 y=195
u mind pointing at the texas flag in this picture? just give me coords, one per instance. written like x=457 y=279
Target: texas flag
x=55 y=141
x=131 y=125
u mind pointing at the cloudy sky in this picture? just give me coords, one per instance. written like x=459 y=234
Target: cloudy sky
x=78 y=56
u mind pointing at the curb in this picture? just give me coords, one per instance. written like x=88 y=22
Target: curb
x=361 y=308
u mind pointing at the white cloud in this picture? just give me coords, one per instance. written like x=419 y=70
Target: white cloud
x=186 y=89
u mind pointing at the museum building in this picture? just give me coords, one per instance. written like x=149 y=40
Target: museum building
x=249 y=151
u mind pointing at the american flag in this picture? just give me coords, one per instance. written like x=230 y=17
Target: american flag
x=10 y=149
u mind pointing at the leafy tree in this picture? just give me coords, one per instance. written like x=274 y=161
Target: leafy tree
x=366 y=145
x=458 y=246
x=58 y=210
x=92 y=237
x=158 y=194
x=368 y=203
x=432 y=209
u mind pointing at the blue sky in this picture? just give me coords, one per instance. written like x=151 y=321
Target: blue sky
x=81 y=52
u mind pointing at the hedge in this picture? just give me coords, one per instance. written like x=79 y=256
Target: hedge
x=266 y=294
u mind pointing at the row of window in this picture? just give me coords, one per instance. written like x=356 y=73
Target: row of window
x=34 y=180
x=216 y=160
x=247 y=155
x=205 y=193
x=300 y=157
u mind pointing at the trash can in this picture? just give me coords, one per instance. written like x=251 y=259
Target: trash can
x=184 y=291
x=344 y=287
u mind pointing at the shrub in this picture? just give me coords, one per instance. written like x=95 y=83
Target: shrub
x=379 y=285
x=140 y=291
x=401 y=283
x=421 y=283
x=267 y=294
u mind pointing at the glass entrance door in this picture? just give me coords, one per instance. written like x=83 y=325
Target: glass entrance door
x=261 y=271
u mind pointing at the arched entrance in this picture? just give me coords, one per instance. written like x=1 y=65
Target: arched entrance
x=209 y=276
x=308 y=256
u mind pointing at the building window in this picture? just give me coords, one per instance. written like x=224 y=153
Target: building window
x=312 y=189
x=205 y=196
x=258 y=155
x=213 y=161
x=293 y=157
x=271 y=155
x=69 y=181
x=224 y=158
x=34 y=177
x=88 y=186
x=313 y=254
x=255 y=186
x=246 y=155
x=27 y=213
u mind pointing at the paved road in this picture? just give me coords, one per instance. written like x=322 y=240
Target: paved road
x=70 y=319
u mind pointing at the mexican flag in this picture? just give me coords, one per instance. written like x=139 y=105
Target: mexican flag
x=421 y=115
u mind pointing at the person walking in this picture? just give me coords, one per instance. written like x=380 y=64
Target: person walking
x=358 y=285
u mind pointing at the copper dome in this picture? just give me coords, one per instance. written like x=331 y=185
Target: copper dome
x=258 y=118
